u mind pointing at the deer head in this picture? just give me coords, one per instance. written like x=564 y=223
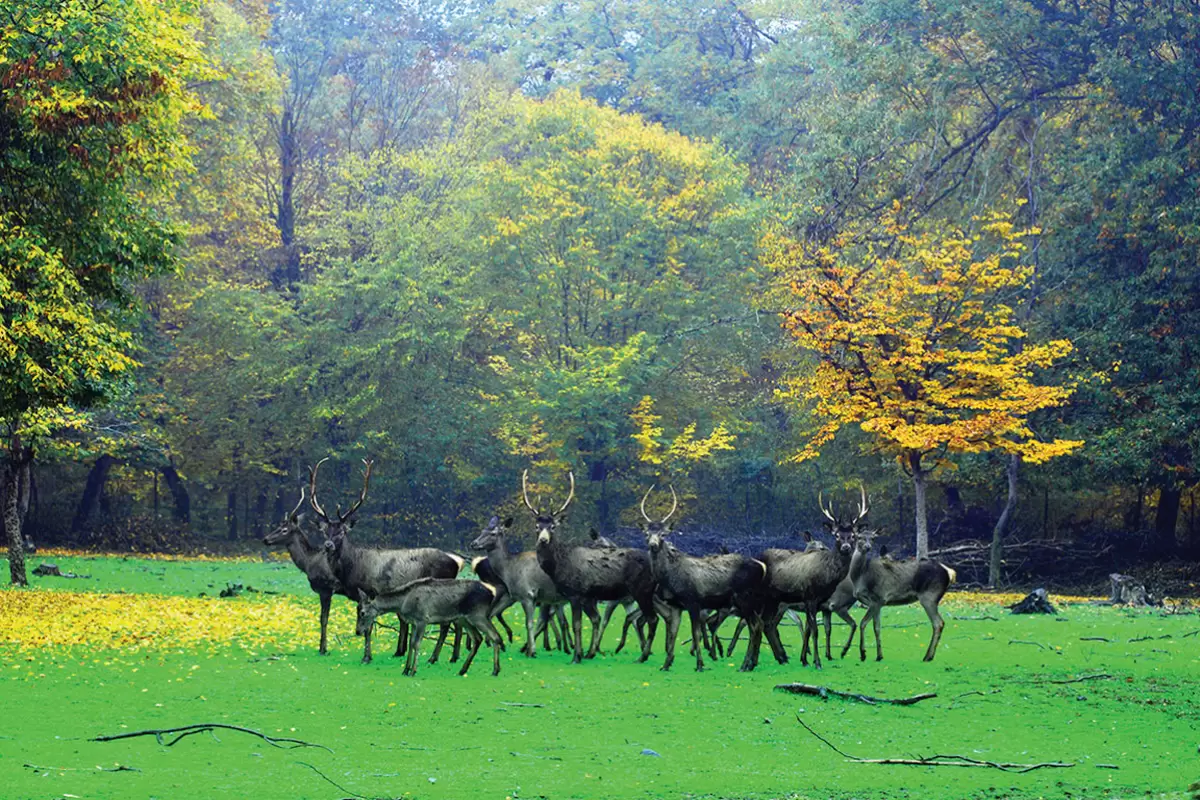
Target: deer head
x=493 y=535
x=335 y=527
x=368 y=612
x=545 y=522
x=845 y=533
x=657 y=532
x=289 y=527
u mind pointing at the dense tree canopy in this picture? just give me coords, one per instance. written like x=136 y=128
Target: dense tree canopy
x=636 y=239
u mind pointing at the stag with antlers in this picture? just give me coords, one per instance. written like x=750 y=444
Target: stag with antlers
x=362 y=569
x=696 y=584
x=587 y=575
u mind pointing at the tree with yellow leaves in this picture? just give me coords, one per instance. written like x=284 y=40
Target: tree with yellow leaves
x=917 y=341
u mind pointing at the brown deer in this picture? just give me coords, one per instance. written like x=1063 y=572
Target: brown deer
x=312 y=561
x=433 y=600
x=695 y=584
x=880 y=582
x=376 y=571
x=805 y=580
x=525 y=580
x=588 y=575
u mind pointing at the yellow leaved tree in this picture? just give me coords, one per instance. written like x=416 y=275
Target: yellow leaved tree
x=917 y=341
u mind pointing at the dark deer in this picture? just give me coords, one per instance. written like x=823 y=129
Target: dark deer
x=880 y=582
x=437 y=600
x=312 y=561
x=525 y=580
x=805 y=580
x=691 y=584
x=588 y=575
x=361 y=569
x=486 y=573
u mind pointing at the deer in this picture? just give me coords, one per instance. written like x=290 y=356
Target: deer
x=310 y=560
x=587 y=575
x=633 y=616
x=376 y=571
x=804 y=579
x=433 y=600
x=880 y=582
x=715 y=622
x=486 y=573
x=527 y=583
x=695 y=584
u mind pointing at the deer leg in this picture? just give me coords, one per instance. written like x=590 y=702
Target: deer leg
x=504 y=624
x=531 y=613
x=862 y=634
x=645 y=640
x=803 y=635
x=597 y=629
x=326 y=599
x=494 y=638
x=670 y=615
x=878 y=639
x=476 y=640
x=624 y=632
x=443 y=630
x=366 y=659
x=609 y=608
x=714 y=626
x=577 y=631
x=753 y=642
x=935 y=619
x=771 y=629
x=814 y=632
x=698 y=631
x=828 y=619
x=401 y=638
x=414 y=647
x=845 y=615
x=737 y=634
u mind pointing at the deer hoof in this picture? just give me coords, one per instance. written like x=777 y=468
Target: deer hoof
x=879 y=658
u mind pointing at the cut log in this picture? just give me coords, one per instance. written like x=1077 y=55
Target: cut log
x=1036 y=602
x=1128 y=591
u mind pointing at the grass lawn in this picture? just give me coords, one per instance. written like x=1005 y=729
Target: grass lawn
x=134 y=647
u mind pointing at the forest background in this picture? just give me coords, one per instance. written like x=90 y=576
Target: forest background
x=755 y=249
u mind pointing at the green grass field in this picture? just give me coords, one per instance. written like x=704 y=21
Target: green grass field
x=545 y=728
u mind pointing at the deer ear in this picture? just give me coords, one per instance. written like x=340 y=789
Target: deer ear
x=807 y=536
x=352 y=522
x=828 y=525
x=363 y=597
x=883 y=550
x=595 y=534
x=508 y=523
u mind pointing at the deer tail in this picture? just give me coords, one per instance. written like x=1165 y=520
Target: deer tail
x=950 y=573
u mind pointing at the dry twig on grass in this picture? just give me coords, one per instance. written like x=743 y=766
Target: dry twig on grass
x=938 y=760
x=824 y=693
x=282 y=743
x=1100 y=676
x=1022 y=641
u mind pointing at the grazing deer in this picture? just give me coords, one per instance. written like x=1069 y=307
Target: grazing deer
x=312 y=561
x=805 y=580
x=588 y=575
x=371 y=570
x=880 y=582
x=527 y=583
x=433 y=600
x=692 y=584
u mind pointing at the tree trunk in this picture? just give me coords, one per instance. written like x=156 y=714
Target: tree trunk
x=918 y=479
x=12 y=509
x=231 y=515
x=260 y=511
x=1166 y=517
x=183 y=501
x=997 y=550
x=92 y=490
x=285 y=214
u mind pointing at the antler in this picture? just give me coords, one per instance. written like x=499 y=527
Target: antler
x=367 y=464
x=863 y=508
x=828 y=514
x=296 y=510
x=644 y=499
x=674 y=506
x=312 y=489
x=525 y=492
x=571 y=496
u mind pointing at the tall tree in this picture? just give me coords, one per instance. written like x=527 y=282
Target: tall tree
x=913 y=334
x=94 y=94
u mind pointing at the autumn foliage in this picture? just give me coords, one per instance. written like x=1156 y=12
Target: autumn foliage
x=917 y=339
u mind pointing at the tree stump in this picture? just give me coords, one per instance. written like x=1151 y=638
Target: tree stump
x=1036 y=602
x=44 y=569
x=1127 y=591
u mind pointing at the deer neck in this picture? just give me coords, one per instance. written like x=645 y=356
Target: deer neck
x=858 y=564
x=300 y=550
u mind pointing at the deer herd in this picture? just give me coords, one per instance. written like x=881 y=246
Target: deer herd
x=421 y=585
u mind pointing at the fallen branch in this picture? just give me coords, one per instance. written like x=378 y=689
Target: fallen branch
x=1100 y=676
x=524 y=705
x=968 y=694
x=331 y=782
x=1151 y=638
x=938 y=760
x=1094 y=639
x=824 y=693
x=117 y=768
x=202 y=727
x=1020 y=641
x=1190 y=634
